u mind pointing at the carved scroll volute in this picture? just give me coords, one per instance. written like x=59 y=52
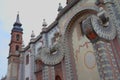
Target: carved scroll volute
x=99 y=26
x=88 y=30
x=52 y=55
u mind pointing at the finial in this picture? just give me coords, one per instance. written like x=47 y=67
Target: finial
x=60 y=7
x=44 y=24
x=32 y=35
x=17 y=12
x=17 y=20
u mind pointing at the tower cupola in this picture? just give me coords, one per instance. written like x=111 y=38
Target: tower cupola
x=16 y=36
x=17 y=25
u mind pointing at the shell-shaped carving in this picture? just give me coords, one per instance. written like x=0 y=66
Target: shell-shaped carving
x=52 y=56
x=108 y=32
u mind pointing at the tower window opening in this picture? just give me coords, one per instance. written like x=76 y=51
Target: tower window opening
x=17 y=47
x=17 y=37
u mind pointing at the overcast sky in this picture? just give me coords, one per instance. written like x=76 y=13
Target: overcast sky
x=32 y=13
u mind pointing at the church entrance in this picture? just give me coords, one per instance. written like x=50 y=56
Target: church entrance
x=81 y=50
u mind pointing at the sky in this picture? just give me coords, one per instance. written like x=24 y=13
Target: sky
x=32 y=13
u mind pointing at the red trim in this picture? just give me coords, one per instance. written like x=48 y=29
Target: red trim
x=50 y=76
x=114 y=54
x=109 y=57
x=63 y=69
x=116 y=46
x=114 y=43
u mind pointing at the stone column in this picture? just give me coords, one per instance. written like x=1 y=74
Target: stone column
x=45 y=75
x=21 y=67
x=52 y=72
x=68 y=65
x=32 y=61
x=112 y=7
x=107 y=66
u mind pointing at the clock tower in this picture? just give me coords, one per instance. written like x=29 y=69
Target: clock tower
x=15 y=46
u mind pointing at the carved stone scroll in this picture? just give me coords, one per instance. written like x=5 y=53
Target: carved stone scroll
x=52 y=56
x=108 y=32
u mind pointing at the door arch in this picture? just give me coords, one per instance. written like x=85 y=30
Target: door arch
x=80 y=48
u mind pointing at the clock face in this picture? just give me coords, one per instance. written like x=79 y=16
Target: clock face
x=89 y=60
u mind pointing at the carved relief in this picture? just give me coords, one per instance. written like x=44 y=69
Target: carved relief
x=88 y=30
x=99 y=25
x=106 y=32
x=53 y=55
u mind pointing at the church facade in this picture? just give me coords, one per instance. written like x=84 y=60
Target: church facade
x=83 y=43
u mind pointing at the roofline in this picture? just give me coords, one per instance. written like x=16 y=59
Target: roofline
x=52 y=25
x=67 y=8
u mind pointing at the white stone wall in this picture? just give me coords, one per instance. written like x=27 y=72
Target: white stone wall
x=32 y=61
x=38 y=44
x=44 y=35
x=50 y=35
x=30 y=67
x=21 y=67
x=27 y=67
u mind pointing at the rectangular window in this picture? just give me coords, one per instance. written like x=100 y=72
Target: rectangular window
x=27 y=59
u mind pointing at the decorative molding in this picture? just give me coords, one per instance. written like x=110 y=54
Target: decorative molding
x=45 y=73
x=53 y=55
x=77 y=11
x=70 y=70
x=68 y=65
x=108 y=32
x=110 y=9
x=107 y=65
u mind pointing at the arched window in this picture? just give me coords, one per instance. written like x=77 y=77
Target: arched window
x=58 y=77
x=17 y=37
x=17 y=47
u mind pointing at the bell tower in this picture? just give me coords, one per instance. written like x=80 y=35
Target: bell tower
x=15 y=45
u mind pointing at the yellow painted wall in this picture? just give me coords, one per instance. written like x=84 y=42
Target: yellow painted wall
x=84 y=56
